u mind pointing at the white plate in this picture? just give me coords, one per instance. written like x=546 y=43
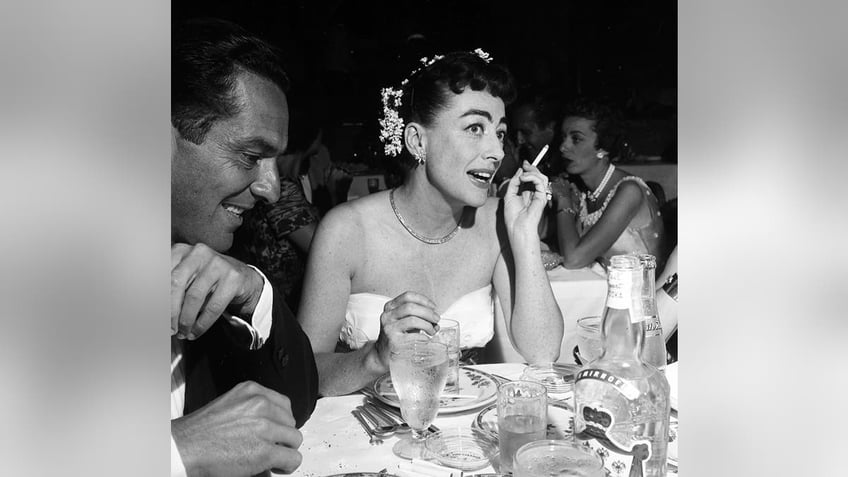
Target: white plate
x=560 y=421
x=481 y=388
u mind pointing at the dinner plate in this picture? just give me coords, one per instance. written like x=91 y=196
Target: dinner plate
x=560 y=421
x=480 y=388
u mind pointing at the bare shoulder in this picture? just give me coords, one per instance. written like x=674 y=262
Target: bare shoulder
x=629 y=189
x=350 y=220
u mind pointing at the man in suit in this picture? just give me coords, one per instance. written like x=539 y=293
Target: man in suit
x=243 y=377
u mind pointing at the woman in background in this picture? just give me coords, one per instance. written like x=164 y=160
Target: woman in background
x=601 y=210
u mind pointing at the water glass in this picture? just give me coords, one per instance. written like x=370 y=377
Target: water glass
x=419 y=371
x=522 y=417
x=589 y=339
x=448 y=334
x=548 y=458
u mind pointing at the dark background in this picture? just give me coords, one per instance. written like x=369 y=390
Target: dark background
x=344 y=51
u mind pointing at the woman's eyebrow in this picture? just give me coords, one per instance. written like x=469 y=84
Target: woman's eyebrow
x=477 y=112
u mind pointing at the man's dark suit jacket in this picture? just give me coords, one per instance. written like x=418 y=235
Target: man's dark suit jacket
x=214 y=364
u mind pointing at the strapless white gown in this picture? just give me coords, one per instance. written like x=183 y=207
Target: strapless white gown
x=474 y=311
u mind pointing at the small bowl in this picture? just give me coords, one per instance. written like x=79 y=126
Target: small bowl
x=461 y=448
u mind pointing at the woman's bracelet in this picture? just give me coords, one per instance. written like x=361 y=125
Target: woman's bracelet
x=567 y=210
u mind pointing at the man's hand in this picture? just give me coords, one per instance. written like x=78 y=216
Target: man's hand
x=204 y=284
x=248 y=430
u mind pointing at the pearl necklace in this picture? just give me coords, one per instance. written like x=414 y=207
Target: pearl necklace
x=595 y=194
x=427 y=240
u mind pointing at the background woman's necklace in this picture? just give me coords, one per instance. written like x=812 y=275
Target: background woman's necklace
x=427 y=240
x=595 y=194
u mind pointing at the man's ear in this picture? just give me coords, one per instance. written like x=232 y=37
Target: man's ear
x=415 y=139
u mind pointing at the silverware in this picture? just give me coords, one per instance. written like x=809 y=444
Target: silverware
x=374 y=439
x=381 y=426
x=390 y=417
x=394 y=414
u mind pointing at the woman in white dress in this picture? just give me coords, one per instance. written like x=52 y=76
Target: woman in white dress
x=394 y=262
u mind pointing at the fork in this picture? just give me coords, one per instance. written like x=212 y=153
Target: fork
x=374 y=439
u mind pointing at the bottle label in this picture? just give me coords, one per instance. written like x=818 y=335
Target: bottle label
x=619 y=459
x=627 y=389
x=653 y=327
x=618 y=292
x=622 y=453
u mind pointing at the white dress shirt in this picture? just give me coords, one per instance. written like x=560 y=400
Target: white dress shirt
x=257 y=330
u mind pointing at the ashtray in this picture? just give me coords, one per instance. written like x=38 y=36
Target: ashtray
x=461 y=448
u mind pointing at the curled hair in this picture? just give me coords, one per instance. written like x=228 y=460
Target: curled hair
x=608 y=126
x=207 y=55
x=429 y=90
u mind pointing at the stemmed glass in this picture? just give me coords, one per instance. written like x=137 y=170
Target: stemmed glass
x=419 y=372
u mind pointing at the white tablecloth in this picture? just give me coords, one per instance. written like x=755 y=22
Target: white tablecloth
x=335 y=443
x=578 y=293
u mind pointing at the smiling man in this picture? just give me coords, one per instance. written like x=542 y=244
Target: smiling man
x=243 y=377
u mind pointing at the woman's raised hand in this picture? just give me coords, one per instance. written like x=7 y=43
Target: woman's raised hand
x=403 y=318
x=523 y=211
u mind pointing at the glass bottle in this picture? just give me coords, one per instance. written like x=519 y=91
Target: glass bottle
x=621 y=403
x=653 y=348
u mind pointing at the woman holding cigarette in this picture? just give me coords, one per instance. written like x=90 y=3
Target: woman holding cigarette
x=395 y=262
x=603 y=210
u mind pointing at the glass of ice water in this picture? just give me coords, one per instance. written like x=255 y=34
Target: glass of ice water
x=419 y=372
x=522 y=417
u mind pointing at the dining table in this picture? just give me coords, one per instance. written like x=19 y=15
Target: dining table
x=578 y=292
x=335 y=443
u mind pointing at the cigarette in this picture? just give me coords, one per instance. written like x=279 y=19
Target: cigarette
x=540 y=156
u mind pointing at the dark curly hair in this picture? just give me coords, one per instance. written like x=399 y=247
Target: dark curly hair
x=207 y=56
x=429 y=91
x=608 y=122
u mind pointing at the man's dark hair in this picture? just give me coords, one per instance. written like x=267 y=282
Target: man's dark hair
x=207 y=55
x=545 y=104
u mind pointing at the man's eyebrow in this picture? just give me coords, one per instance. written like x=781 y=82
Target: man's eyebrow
x=257 y=144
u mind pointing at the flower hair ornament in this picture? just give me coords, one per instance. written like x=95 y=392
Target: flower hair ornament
x=391 y=124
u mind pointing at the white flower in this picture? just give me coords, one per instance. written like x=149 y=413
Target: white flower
x=391 y=124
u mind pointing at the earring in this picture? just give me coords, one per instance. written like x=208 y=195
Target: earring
x=600 y=155
x=421 y=157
